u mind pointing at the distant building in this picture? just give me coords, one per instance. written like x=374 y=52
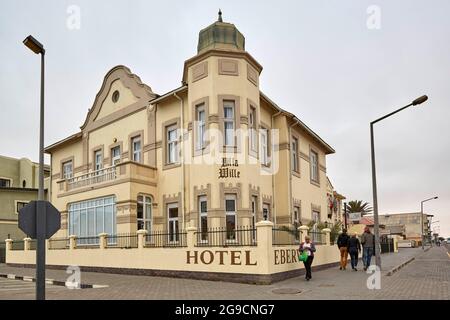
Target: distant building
x=19 y=180
x=407 y=224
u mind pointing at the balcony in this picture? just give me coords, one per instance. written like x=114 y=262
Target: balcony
x=127 y=171
x=87 y=179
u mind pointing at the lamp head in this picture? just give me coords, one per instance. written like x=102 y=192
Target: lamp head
x=420 y=100
x=34 y=45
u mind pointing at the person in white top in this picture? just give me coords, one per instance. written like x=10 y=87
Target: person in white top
x=310 y=249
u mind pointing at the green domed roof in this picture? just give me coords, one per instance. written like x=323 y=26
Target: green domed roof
x=220 y=35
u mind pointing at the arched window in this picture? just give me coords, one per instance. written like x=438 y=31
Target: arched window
x=144 y=212
x=24 y=184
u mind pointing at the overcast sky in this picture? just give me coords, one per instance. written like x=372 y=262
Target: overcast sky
x=321 y=61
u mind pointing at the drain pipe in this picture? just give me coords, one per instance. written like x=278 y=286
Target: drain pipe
x=182 y=157
x=273 y=175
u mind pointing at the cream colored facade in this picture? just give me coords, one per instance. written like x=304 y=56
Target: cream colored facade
x=126 y=110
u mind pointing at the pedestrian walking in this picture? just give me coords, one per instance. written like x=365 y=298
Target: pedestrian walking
x=310 y=248
x=342 y=243
x=354 y=248
x=368 y=243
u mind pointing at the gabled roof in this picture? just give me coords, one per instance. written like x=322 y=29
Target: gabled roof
x=315 y=136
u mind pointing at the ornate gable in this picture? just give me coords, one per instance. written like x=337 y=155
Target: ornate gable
x=121 y=93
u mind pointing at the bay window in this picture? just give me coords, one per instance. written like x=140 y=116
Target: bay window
x=92 y=217
x=229 y=125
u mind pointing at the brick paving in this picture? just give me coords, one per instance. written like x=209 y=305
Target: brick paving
x=425 y=278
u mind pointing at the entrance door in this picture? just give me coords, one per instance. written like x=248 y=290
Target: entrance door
x=173 y=222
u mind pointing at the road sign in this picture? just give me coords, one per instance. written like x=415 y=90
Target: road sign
x=27 y=219
x=354 y=216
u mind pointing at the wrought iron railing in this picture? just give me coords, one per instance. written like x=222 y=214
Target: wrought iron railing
x=122 y=240
x=18 y=245
x=163 y=239
x=223 y=237
x=58 y=243
x=317 y=237
x=92 y=242
x=90 y=178
x=284 y=235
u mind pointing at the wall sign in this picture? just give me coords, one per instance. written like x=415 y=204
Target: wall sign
x=229 y=169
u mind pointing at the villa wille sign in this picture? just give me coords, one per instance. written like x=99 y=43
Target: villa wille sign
x=229 y=169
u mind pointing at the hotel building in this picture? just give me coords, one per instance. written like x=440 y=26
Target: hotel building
x=214 y=152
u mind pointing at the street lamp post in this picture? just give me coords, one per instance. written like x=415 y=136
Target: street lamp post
x=38 y=48
x=374 y=178
x=421 y=218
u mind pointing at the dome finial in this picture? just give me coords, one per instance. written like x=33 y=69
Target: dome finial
x=220 y=16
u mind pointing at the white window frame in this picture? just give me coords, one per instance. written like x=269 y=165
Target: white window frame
x=294 y=154
x=66 y=173
x=264 y=146
x=314 y=165
x=201 y=126
x=202 y=214
x=172 y=145
x=229 y=104
x=115 y=158
x=78 y=207
x=145 y=202
x=98 y=163
x=9 y=184
x=16 y=202
x=231 y=214
x=176 y=221
x=137 y=152
x=252 y=126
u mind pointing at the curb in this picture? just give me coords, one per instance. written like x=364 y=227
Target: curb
x=393 y=270
x=50 y=281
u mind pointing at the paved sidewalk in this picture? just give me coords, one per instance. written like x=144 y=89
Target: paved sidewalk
x=326 y=284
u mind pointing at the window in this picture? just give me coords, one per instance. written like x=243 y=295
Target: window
x=144 y=213
x=67 y=170
x=91 y=217
x=136 y=147
x=252 y=127
x=172 y=212
x=203 y=217
x=172 y=145
x=296 y=221
x=294 y=154
x=266 y=211
x=264 y=147
x=5 y=183
x=201 y=126
x=115 y=96
x=115 y=155
x=230 y=217
x=228 y=114
x=314 y=166
x=20 y=205
x=254 y=202
x=98 y=158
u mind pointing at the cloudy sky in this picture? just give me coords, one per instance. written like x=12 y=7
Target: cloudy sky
x=336 y=65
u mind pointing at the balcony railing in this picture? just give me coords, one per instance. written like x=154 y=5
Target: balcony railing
x=102 y=175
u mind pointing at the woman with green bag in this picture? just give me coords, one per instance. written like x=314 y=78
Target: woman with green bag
x=307 y=250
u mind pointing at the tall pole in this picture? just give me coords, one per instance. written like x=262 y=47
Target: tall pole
x=421 y=224
x=40 y=219
x=375 y=200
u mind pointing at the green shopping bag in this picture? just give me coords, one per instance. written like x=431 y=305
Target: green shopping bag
x=303 y=256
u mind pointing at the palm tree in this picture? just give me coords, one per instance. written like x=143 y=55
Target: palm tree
x=359 y=206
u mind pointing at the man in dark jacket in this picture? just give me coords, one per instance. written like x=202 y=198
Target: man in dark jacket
x=342 y=243
x=354 y=247
x=368 y=243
